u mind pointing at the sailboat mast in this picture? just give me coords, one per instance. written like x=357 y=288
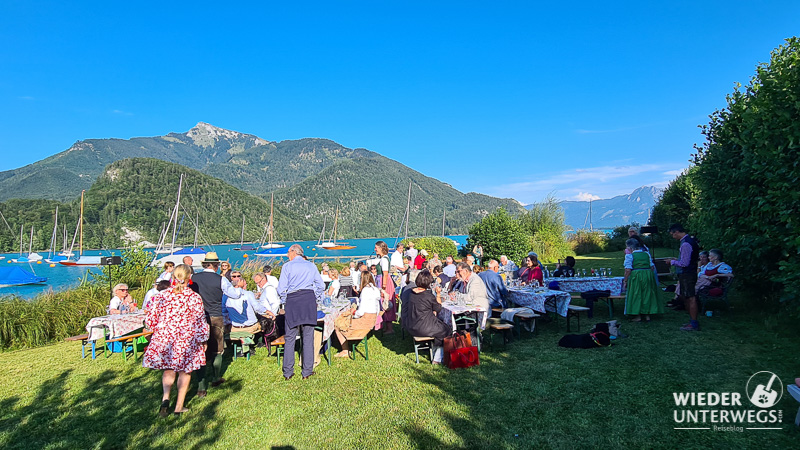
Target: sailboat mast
x=177 y=204
x=408 y=207
x=242 y=240
x=21 y=232
x=590 y=215
x=335 y=223
x=322 y=235
x=54 y=236
x=197 y=228
x=271 y=210
x=80 y=226
x=30 y=244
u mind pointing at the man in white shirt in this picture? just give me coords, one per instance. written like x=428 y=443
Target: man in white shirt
x=271 y=280
x=268 y=295
x=412 y=252
x=242 y=310
x=476 y=288
x=449 y=268
x=396 y=265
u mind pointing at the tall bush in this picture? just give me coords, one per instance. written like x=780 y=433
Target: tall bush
x=547 y=228
x=678 y=204
x=434 y=244
x=748 y=171
x=585 y=241
x=500 y=234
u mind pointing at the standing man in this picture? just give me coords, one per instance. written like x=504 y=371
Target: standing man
x=686 y=267
x=189 y=261
x=495 y=288
x=300 y=288
x=211 y=286
x=396 y=265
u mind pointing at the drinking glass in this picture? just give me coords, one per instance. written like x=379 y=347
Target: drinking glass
x=609 y=272
x=584 y=273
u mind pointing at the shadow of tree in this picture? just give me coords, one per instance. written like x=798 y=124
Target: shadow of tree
x=114 y=409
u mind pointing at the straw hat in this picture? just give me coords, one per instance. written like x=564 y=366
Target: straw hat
x=211 y=257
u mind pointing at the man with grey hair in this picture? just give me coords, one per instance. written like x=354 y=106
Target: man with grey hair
x=300 y=287
x=508 y=267
x=475 y=288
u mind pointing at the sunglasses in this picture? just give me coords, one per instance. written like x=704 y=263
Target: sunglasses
x=123 y=290
x=236 y=276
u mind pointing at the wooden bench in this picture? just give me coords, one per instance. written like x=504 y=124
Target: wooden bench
x=525 y=317
x=279 y=345
x=84 y=340
x=502 y=328
x=575 y=311
x=608 y=300
x=423 y=343
x=126 y=340
x=359 y=337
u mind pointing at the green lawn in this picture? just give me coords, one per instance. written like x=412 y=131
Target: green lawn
x=530 y=394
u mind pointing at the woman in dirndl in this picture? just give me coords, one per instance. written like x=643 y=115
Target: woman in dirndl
x=641 y=299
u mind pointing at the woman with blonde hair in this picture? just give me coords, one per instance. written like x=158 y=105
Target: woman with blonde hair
x=180 y=331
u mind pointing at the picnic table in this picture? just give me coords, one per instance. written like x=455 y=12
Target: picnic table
x=117 y=325
x=332 y=312
x=451 y=309
x=584 y=284
x=540 y=300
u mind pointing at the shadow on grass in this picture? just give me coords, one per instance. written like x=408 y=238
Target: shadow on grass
x=106 y=412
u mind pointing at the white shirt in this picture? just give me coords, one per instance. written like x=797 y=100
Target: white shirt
x=273 y=281
x=115 y=303
x=237 y=304
x=147 y=297
x=356 y=278
x=397 y=260
x=412 y=252
x=269 y=299
x=449 y=270
x=333 y=289
x=164 y=276
x=227 y=287
x=370 y=302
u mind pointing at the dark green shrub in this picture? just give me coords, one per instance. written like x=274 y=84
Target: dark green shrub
x=434 y=244
x=500 y=234
x=585 y=241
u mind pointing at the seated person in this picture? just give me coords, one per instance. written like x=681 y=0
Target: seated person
x=713 y=273
x=169 y=266
x=335 y=285
x=508 y=267
x=419 y=261
x=122 y=302
x=157 y=287
x=532 y=272
x=565 y=270
x=420 y=309
x=346 y=282
x=241 y=311
x=495 y=288
x=443 y=279
x=364 y=317
x=449 y=268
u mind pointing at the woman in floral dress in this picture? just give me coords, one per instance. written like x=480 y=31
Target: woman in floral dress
x=180 y=331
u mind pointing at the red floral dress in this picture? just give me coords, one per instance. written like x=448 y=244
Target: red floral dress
x=179 y=329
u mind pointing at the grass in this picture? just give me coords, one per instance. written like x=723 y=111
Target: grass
x=530 y=394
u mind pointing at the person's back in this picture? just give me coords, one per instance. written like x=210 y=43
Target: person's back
x=245 y=315
x=208 y=285
x=495 y=288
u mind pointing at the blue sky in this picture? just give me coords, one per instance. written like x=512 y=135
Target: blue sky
x=514 y=99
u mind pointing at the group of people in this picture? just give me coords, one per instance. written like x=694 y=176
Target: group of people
x=697 y=271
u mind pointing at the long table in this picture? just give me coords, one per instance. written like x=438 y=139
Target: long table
x=117 y=324
x=543 y=301
x=581 y=284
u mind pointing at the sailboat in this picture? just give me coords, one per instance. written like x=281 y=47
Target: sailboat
x=176 y=256
x=242 y=246
x=65 y=250
x=52 y=257
x=271 y=248
x=82 y=260
x=31 y=256
x=331 y=244
x=17 y=276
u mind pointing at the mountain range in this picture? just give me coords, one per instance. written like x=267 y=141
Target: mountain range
x=131 y=184
x=612 y=212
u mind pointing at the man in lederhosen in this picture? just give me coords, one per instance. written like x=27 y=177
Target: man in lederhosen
x=211 y=286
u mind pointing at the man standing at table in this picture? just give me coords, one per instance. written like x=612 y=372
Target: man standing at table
x=495 y=288
x=686 y=267
x=300 y=287
x=211 y=286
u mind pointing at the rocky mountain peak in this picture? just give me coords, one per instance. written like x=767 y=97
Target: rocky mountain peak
x=206 y=135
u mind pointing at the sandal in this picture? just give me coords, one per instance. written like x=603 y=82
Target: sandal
x=184 y=410
x=164 y=410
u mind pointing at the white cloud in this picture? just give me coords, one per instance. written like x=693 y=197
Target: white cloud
x=121 y=112
x=585 y=197
x=26 y=97
x=600 y=182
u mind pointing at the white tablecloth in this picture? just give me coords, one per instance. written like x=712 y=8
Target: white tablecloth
x=117 y=324
x=450 y=310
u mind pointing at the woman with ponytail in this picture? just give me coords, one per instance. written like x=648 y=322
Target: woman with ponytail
x=177 y=319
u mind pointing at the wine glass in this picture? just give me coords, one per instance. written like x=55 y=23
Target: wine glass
x=609 y=272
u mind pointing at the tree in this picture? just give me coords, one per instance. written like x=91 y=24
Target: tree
x=747 y=173
x=678 y=204
x=500 y=234
x=545 y=224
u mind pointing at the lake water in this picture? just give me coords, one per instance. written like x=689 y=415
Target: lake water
x=63 y=277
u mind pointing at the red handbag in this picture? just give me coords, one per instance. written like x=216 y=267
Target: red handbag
x=459 y=339
x=461 y=358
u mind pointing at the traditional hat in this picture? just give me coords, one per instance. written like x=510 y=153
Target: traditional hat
x=211 y=257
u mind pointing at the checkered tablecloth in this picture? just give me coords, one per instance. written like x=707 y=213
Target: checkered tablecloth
x=613 y=284
x=117 y=324
x=544 y=301
x=331 y=313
